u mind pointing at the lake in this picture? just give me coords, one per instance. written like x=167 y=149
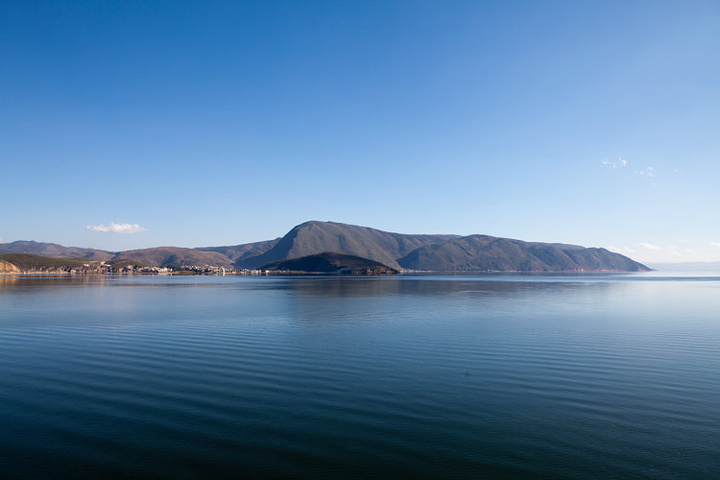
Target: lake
x=438 y=377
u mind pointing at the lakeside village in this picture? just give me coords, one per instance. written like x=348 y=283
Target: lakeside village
x=130 y=268
x=26 y=264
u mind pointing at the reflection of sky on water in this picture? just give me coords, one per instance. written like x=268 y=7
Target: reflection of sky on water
x=148 y=298
x=469 y=363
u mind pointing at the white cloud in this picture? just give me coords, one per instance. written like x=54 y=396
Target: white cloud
x=647 y=172
x=117 y=228
x=650 y=246
x=715 y=244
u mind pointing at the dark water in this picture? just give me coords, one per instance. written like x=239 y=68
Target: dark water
x=196 y=377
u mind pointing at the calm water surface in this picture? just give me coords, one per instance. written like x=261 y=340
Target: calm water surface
x=192 y=377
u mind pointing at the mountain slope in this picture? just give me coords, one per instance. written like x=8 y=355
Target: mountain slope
x=314 y=237
x=486 y=253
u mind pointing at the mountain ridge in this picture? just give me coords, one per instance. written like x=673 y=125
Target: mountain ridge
x=424 y=252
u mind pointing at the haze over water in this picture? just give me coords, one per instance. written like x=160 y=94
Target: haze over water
x=191 y=377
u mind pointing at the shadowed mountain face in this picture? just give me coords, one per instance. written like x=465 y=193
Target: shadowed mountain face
x=331 y=262
x=314 y=237
x=438 y=253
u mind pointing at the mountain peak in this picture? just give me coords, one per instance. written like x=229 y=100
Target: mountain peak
x=315 y=236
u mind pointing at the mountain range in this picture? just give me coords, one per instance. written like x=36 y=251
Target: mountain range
x=436 y=253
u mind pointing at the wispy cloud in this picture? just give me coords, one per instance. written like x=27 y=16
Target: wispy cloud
x=623 y=250
x=647 y=172
x=621 y=162
x=117 y=228
x=648 y=252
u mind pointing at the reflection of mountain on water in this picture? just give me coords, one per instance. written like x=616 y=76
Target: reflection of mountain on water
x=334 y=286
x=375 y=287
x=445 y=299
x=48 y=281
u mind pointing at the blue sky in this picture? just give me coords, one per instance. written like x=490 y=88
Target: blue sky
x=138 y=124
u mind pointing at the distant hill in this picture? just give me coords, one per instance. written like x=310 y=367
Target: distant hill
x=160 y=256
x=313 y=237
x=437 y=253
x=54 y=250
x=331 y=263
x=16 y=263
x=176 y=257
x=492 y=254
